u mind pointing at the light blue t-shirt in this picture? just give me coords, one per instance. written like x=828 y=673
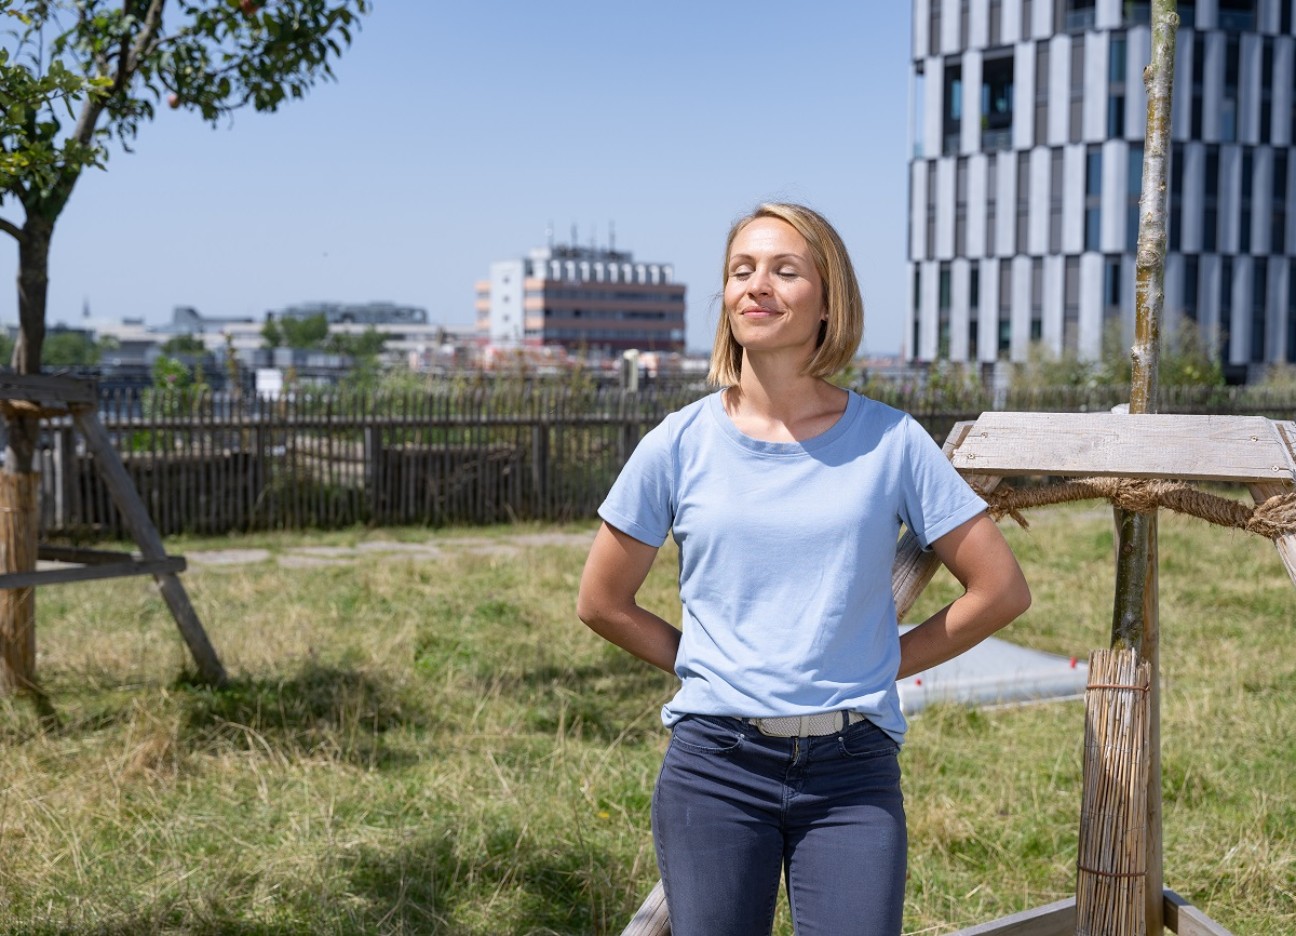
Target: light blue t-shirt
x=786 y=551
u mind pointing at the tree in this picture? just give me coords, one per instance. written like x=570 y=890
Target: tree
x=77 y=76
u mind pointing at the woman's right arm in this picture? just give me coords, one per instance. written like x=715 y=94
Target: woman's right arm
x=616 y=567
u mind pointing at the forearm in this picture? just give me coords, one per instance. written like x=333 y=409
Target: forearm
x=954 y=629
x=637 y=631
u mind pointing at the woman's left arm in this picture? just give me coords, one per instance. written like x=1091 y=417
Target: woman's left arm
x=994 y=592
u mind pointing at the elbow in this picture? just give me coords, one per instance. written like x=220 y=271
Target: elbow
x=1018 y=598
x=591 y=612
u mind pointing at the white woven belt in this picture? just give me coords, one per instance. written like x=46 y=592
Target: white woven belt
x=806 y=726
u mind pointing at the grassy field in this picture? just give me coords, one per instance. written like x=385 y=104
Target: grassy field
x=434 y=744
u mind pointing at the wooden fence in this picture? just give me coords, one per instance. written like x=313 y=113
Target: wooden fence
x=486 y=453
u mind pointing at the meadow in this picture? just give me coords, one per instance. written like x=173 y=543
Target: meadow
x=420 y=737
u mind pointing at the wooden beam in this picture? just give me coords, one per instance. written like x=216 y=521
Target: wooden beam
x=1055 y=919
x=1239 y=449
x=1183 y=918
x=169 y=565
x=651 y=918
x=137 y=520
x=45 y=388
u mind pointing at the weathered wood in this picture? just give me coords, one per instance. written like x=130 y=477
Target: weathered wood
x=18 y=536
x=1183 y=918
x=146 y=535
x=1238 y=449
x=1055 y=919
x=10 y=581
x=651 y=918
x=1263 y=491
x=46 y=388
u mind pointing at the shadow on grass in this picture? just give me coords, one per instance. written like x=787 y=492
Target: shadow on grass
x=430 y=885
x=337 y=712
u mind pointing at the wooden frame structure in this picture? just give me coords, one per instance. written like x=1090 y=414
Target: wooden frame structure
x=55 y=396
x=1252 y=451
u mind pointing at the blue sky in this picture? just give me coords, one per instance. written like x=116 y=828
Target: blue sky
x=457 y=133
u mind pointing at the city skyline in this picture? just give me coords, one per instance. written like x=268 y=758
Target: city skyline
x=457 y=136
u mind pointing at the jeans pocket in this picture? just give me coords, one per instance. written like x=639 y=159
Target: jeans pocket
x=866 y=739
x=703 y=735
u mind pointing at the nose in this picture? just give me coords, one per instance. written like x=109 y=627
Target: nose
x=758 y=284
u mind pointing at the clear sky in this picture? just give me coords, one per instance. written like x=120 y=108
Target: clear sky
x=458 y=133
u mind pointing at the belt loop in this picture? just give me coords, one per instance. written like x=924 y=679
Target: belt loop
x=805 y=726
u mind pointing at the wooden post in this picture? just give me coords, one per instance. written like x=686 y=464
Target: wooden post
x=1135 y=624
x=20 y=493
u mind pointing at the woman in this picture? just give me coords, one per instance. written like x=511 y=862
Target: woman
x=786 y=495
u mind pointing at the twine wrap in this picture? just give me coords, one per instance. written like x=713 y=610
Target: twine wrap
x=1271 y=518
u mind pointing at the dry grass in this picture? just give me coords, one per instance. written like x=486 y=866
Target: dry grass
x=416 y=745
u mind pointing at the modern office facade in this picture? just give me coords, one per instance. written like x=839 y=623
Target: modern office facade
x=585 y=299
x=1028 y=126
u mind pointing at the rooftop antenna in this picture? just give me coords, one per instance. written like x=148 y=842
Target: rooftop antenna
x=574 y=240
x=611 y=236
x=549 y=235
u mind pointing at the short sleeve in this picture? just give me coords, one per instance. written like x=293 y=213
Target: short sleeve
x=935 y=498
x=641 y=502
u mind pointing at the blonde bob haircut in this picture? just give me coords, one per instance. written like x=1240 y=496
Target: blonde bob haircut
x=840 y=335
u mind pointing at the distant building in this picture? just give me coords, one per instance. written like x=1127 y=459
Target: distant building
x=599 y=301
x=1029 y=119
x=355 y=313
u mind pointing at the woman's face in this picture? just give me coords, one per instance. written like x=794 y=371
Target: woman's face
x=773 y=294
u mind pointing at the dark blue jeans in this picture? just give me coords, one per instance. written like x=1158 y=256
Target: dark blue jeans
x=733 y=809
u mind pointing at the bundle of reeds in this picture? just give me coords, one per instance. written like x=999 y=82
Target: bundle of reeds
x=1111 y=875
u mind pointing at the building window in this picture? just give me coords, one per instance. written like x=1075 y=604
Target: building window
x=952 y=123
x=1134 y=191
x=1041 y=92
x=1291 y=311
x=1210 y=201
x=1023 y=203
x=934 y=28
x=964 y=17
x=1175 y=238
x=1076 y=124
x=1244 y=221
x=1116 y=86
x=1027 y=19
x=1228 y=130
x=1071 y=306
x=1056 y=180
x=1037 y=300
x=1004 y=323
x=1138 y=12
x=1198 y=82
x=1226 y=308
x=1191 y=272
x=1075 y=15
x=1093 y=198
x=931 y=211
x=1112 y=288
x=1278 y=212
x=996 y=22
x=960 y=206
x=992 y=202
x=1266 y=88
x=1237 y=15
x=996 y=103
x=1259 y=300
x=943 y=299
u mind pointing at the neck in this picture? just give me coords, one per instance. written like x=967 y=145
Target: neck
x=774 y=401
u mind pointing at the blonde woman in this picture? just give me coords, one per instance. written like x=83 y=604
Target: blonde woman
x=786 y=495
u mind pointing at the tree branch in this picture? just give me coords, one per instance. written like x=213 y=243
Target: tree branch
x=11 y=229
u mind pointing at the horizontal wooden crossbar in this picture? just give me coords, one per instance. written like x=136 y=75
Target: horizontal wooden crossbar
x=89 y=565
x=1237 y=449
x=46 y=388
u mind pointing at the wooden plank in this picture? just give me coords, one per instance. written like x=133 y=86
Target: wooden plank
x=1183 y=918
x=47 y=388
x=1242 y=449
x=82 y=556
x=1055 y=919
x=87 y=573
x=651 y=918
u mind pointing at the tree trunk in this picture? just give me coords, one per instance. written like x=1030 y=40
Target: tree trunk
x=19 y=484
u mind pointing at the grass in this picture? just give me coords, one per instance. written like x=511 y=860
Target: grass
x=416 y=745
